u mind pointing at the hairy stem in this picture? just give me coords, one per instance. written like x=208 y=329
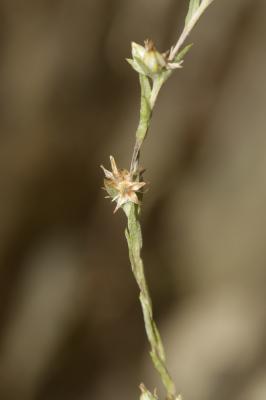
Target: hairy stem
x=147 y=103
x=188 y=27
x=134 y=240
x=154 y=69
x=144 y=121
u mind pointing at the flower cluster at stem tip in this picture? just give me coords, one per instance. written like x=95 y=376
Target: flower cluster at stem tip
x=146 y=60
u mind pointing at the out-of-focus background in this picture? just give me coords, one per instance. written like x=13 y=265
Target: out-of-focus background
x=70 y=323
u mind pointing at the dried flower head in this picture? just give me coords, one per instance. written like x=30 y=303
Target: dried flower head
x=120 y=185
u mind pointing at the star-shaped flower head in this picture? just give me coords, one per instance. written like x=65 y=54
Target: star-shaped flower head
x=120 y=185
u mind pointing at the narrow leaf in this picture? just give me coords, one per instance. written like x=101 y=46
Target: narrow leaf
x=193 y=6
x=180 y=56
x=145 y=87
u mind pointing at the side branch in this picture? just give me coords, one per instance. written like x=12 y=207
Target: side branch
x=188 y=28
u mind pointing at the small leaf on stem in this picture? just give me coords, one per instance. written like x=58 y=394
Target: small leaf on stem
x=180 y=56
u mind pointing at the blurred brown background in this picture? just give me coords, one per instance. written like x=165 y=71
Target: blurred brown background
x=70 y=323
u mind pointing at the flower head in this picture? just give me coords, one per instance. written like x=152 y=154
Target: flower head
x=146 y=60
x=120 y=185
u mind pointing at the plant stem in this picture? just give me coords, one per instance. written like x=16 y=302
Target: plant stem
x=118 y=184
x=144 y=121
x=133 y=232
x=134 y=240
x=147 y=103
x=188 y=27
x=134 y=236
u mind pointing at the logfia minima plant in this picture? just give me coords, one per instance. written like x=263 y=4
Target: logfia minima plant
x=125 y=186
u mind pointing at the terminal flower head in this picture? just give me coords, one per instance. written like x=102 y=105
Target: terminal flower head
x=120 y=185
x=146 y=60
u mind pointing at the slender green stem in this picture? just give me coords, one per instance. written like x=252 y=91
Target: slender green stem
x=149 y=94
x=189 y=27
x=154 y=69
x=133 y=234
x=134 y=240
x=147 y=103
x=144 y=121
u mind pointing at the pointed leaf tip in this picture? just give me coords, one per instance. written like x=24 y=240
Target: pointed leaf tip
x=180 y=56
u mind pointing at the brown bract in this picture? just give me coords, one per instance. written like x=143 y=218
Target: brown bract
x=120 y=185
